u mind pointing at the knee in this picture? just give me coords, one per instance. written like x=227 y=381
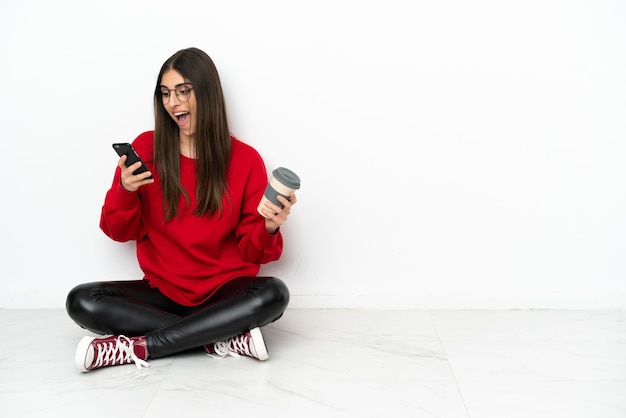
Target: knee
x=281 y=297
x=278 y=293
x=272 y=294
x=78 y=301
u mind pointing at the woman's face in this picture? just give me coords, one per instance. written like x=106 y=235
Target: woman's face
x=180 y=101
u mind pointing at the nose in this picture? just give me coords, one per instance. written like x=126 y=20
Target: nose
x=173 y=100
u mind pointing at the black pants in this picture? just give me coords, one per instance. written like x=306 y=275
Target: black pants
x=133 y=308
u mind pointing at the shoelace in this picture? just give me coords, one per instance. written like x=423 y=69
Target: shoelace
x=122 y=352
x=233 y=347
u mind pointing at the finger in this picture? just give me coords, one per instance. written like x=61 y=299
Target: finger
x=283 y=202
x=144 y=175
x=134 y=167
x=272 y=209
x=135 y=182
x=287 y=203
x=272 y=221
x=121 y=161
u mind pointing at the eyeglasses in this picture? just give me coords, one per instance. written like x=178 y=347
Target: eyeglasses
x=182 y=91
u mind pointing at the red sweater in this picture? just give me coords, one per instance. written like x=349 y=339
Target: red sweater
x=188 y=258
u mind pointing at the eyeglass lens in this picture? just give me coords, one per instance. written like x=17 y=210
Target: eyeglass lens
x=182 y=93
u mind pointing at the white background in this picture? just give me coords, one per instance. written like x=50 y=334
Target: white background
x=453 y=154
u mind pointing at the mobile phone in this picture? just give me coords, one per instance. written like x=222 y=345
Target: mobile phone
x=124 y=148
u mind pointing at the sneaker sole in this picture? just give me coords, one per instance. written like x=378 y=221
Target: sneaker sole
x=259 y=344
x=81 y=353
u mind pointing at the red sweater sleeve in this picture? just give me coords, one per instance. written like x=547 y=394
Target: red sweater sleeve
x=255 y=244
x=121 y=216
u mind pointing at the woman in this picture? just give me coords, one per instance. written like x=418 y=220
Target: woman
x=200 y=239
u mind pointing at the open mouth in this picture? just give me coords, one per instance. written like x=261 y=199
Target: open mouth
x=182 y=117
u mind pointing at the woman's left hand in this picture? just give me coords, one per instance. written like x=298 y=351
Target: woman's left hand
x=275 y=216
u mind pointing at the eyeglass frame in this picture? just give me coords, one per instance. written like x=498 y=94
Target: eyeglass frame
x=164 y=90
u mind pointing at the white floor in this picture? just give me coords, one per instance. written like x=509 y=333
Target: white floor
x=338 y=363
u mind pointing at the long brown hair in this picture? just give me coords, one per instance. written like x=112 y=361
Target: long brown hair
x=212 y=137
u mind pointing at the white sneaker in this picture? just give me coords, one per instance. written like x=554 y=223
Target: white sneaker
x=249 y=344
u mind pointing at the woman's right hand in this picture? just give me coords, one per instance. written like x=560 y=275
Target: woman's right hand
x=129 y=181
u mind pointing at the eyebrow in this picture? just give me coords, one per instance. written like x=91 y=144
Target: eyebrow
x=176 y=86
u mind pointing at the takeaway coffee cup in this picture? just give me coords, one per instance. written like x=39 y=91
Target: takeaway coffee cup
x=282 y=183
